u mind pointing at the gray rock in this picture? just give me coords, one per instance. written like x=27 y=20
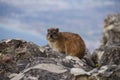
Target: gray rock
x=111 y=31
x=107 y=56
x=32 y=62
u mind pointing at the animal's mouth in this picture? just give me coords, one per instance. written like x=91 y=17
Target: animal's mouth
x=50 y=39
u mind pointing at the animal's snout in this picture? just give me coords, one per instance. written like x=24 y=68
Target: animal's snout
x=51 y=36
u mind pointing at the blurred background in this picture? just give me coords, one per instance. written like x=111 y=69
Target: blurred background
x=30 y=19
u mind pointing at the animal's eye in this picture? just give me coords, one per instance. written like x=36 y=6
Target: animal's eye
x=48 y=30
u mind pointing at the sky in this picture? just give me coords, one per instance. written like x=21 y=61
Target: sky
x=30 y=19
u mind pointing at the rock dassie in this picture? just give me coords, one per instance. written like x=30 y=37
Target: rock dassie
x=66 y=42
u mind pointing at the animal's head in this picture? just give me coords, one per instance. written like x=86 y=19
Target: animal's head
x=52 y=34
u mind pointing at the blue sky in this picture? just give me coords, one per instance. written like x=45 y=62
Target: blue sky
x=30 y=19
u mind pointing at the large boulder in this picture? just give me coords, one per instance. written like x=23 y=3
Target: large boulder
x=22 y=60
x=107 y=56
x=15 y=55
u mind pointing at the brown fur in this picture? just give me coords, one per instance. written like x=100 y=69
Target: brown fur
x=66 y=42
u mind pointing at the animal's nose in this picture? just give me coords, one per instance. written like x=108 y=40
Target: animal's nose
x=51 y=36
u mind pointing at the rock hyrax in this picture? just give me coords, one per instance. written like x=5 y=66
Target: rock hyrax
x=66 y=42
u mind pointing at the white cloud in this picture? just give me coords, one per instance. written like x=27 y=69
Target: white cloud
x=34 y=7
x=45 y=5
x=18 y=26
x=38 y=5
x=89 y=4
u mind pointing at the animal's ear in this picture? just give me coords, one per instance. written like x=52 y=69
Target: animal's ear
x=57 y=29
x=48 y=30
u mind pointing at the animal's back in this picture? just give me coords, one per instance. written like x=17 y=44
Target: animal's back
x=70 y=35
x=74 y=44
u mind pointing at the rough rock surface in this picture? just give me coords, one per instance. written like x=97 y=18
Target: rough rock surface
x=22 y=60
x=107 y=56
